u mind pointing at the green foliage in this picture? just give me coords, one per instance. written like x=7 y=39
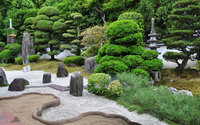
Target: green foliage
x=133 y=61
x=98 y=82
x=54 y=18
x=54 y=52
x=173 y=56
x=33 y=58
x=44 y=25
x=107 y=58
x=136 y=50
x=58 y=26
x=49 y=11
x=149 y=54
x=152 y=65
x=115 y=88
x=124 y=32
x=77 y=60
x=111 y=67
x=6 y=55
x=40 y=17
x=15 y=48
x=19 y=60
x=137 y=17
x=140 y=72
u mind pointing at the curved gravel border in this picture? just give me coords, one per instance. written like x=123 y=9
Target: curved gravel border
x=72 y=106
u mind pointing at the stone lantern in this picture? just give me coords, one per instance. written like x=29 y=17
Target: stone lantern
x=11 y=34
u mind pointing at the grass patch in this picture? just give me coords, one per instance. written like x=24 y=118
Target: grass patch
x=188 y=80
x=1 y=85
x=158 y=101
x=4 y=65
x=47 y=66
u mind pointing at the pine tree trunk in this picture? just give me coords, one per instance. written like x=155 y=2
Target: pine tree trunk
x=52 y=57
x=181 y=67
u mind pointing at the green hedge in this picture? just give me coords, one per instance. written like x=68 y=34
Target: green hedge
x=33 y=58
x=48 y=10
x=19 y=60
x=107 y=58
x=111 y=67
x=136 y=50
x=78 y=60
x=152 y=65
x=149 y=54
x=133 y=61
x=115 y=88
x=44 y=25
x=140 y=72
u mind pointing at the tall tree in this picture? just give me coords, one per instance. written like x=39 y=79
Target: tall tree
x=184 y=21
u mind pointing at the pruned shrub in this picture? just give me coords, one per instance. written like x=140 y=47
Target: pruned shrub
x=152 y=65
x=77 y=60
x=98 y=82
x=133 y=61
x=136 y=50
x=19 y=60
x=140 y=72
x=44 y=25
x=33 y=58
x=107 y=58
x=124 y=32
x=149 y=54
x=112 y=67
x=115 y=88
x=48 y=10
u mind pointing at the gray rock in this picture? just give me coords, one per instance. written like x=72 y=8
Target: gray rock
x=90 y=65
x=175 y=91
x=62 y=71
x=76 y=84
x=18 y=84
x=46 y=78
x=3 y=79
x=25 y=47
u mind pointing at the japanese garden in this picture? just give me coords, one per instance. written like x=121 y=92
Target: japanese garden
x=99 y=62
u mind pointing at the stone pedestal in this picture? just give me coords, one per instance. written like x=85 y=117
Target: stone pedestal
x=76 y=84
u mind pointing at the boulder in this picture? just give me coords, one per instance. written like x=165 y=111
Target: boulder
x=46 y=78
x=3 y=79
x=18 y=84
x=62 y=71
x=76 y=84
x=175 y=91
x=90 y=65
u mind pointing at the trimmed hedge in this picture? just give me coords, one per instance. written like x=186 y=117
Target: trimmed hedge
x=149 y=54
x=115 y=88
x=44 y=25
x=19 y=60
x=133 y=61
x=78 y=60
x=136 y=50
x=152 y=65
x=48 y=10
x=33 y=58
x=140 y=72
x=111 y=67
x=107 y=58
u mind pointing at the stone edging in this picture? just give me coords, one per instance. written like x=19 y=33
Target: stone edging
x=37 y=114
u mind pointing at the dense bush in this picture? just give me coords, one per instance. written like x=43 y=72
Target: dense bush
x=111 y=67
x=124 y=32
x=6 y=55
x=33 y=58
x=19 y=60
x=48 y=10
x=140 y=72
x=133 y=61
x=107 y=58
x=44 y=25
x=136 y=50
x=152 y=65
x=98 y=82
x=77 y=60
x=149 y=54
x=115 y=88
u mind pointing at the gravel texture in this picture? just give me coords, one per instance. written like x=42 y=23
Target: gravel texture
x=72 y=106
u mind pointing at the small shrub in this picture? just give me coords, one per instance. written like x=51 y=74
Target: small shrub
x=6 y=55
x=107 y=58
x=33 y=58
x=149 y=54
x=19 y=60
x=115 y=88
x=140 y=72
x=98 y=82
x=136 y=50
x=133 y=61
x=77 y=60
x=112 y=67
x=152 y=65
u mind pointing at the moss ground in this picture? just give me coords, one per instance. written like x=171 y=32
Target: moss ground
x=47 y=66
x=189 y=80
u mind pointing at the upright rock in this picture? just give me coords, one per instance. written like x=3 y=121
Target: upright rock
x=25 y=42
x=62 y=71
x=3 y=79
x=76 y=84
x=46 y=78
x=18 y=84
x=31 y=49
x=90 y=65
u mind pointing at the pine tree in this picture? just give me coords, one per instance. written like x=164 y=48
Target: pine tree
x=184 y=21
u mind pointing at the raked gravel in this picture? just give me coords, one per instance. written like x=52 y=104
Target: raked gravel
x=72 y=106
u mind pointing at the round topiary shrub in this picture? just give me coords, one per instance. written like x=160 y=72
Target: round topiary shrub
x=112 y=67
x=98 y=82
x=107 y=58
x=48 y=10
x=136 y=50
x=140 y=72
x=19 y=60
x=44 y=25
x=124 y=32
x=149 y=54
x=133 y=61
x=152 y=65
x=115 y=88
x=33 y=58
x=77 y=60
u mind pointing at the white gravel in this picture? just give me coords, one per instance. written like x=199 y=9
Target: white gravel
x=72 y=106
